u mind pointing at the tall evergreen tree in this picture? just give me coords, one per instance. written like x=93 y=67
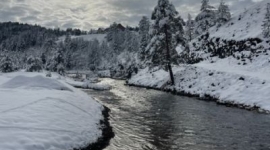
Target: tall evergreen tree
x=167 y=32
x=206 y=18
x=224 y=14
x=266 y=23
x=7 y=63
x=144 y=27
x=205 y=5
x=189 y=28
x=56 y=62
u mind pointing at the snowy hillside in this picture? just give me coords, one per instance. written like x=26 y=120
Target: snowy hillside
x=91 y=37
x=240 y=38
x=244 y=25
x=88 y=37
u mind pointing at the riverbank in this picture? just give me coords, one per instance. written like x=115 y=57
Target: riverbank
x=224 y=84
x=107 y=133
x=152 y=119
x=39 y=112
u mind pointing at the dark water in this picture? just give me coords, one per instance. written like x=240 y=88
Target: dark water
x=153 y=120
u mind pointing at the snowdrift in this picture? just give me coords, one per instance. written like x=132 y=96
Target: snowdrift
x=37 y=82
x=40 y=113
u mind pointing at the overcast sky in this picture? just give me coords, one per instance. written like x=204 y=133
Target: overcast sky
x=86 y=14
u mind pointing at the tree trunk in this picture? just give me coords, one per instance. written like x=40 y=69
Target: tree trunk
x=169 y=56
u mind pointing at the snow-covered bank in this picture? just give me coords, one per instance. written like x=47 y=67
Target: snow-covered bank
x=88 y=84
x=205 y=81
x=47 y=113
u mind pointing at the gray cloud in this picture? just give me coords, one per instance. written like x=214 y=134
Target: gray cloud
x=86 y=14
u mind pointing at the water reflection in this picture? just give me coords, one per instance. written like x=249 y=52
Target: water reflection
x=152 y=120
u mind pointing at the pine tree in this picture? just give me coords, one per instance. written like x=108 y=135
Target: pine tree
x=7 y=64
x=56 y=62
x=34 y=64
x=68 y=42
x=205 y=5
x=94 y=55
x=68 y=59
x=266 y=23
x=224 y=14
x=167 y=32
x=190 y=28
x=116 y=38
x=144 y=27
x=43 y=58
x=205 y=19
x=131 y=43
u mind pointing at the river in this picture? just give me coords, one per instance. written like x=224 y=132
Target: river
x=145 y=119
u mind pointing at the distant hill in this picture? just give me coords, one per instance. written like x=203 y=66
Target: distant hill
x=18 y=37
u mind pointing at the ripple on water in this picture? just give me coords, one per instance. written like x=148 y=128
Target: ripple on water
x=153 y=120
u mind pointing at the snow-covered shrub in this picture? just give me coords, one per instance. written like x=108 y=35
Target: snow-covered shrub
x=56 y=63
x=34 y=64
x=7 y=64
x=49 y=74
x=61 y=69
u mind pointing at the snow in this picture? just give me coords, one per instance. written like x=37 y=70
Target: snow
x=223 y=80
x=163 y=22
x=204 y=79
x=244 y=25
x=242 y=80
x=88 y=84
x=88 y=37
x=37 y=82
x=104 y=73
x=38 y=113
x=91 y=37
x=150 y=78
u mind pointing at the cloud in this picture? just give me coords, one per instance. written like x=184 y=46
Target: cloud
x=86 y=14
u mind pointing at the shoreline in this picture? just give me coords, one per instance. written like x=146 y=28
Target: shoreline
x=206 y=98
x=107 y=133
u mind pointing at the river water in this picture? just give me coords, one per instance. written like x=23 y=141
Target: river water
x=153 y=120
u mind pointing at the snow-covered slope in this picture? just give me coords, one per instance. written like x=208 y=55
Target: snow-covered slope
x=39 y=113
x=241 y=38
x=244 y=25
x=91 y=37
x=88 y=37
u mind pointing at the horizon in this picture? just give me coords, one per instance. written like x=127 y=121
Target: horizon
x=92 y=15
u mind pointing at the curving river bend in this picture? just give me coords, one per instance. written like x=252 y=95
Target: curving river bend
x=153 y=120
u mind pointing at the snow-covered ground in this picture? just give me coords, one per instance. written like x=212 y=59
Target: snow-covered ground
x=224 y=80
x=39 y=113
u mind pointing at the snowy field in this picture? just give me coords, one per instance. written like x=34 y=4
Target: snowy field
x=223 y=80
x=39 y=113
